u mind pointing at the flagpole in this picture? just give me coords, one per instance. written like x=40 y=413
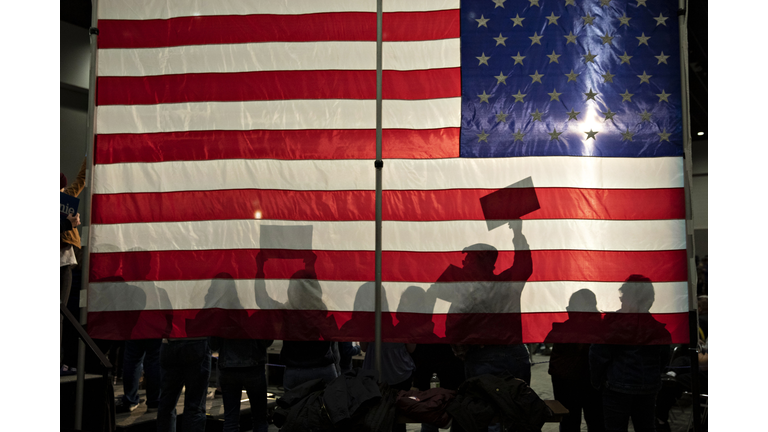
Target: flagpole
x=379 y=164
x=693 y=321
x=84 y=265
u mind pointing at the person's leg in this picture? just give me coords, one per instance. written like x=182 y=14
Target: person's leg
x=644 y=413
x=197 y=370
x=152 y=370
x=65 y=285
x=231 y=391
x=567 y=393
x=171 y=383
x=616 y=411
x=592 y=404
x=256 y=387
x=132 y=362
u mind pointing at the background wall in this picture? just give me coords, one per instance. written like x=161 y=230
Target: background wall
x=73 y=96
x=699 y=193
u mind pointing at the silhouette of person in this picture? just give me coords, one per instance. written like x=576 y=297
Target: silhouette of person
x=477 y=294
x=361 y=325
x=629 y=376
x=242 y=361
x=136 y=298
x=569 y=363
x=307 y=355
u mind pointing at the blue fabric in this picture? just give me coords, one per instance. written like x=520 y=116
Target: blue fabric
x=618 y=408
x=141 y=354
x=254 y=381
x=295 y=376
x=184 y=363
x=481 y=117
x=494 y=359
x=396 y=363
x=630 y=369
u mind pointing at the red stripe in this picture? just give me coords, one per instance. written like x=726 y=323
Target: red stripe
x=430 y=205
x=275 y=144
x=278 y=85
x=311 y=325
x=238 y=29
x=549 y=265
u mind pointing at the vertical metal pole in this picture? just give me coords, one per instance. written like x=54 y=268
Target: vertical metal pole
x=379 y=164
x=693 y=321
x=86 y=248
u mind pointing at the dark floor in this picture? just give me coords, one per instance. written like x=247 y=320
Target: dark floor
x=540 y=382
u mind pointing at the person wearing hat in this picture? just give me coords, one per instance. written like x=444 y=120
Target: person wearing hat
x=70 y=239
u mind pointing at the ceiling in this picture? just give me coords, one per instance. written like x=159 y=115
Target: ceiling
x=78 y=12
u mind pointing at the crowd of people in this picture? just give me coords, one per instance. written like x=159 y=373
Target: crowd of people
x=609 y=383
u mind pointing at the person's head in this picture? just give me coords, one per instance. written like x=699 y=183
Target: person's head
x=480 y=257
x=223 y=293
x=636 y=294
x=304 y=292
x=582 y=300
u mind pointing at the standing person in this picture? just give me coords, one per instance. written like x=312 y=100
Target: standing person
x=397 y=366
x=313 y=356
x=69 y=244
x=242 y=364
x=569 y=364
x=185 y=363
x=138 y=355
x=629 y=376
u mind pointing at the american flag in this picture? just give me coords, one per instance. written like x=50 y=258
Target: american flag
x=233 y=183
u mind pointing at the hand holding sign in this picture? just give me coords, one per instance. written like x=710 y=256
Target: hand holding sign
x=75 y=220
x=508 y=205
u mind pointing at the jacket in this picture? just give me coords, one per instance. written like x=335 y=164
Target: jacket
x=482 y=397
x=630 y=369
x=426 y=406
x=72 y=237
x=240 y=352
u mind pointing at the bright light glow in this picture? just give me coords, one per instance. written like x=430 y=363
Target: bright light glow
x=590 y=122
x=258 y=214
x=700 y=133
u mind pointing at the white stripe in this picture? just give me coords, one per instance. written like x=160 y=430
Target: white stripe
x=278 y=115
x=163 y=9
x=547 y=171
x=546 y=234
x=252 y=115
x=486 y=297
x=276 y=56
x=248 y=57
x=399 y=174
x=419 y=55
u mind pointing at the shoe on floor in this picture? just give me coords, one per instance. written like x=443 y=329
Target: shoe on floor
x=122 y=406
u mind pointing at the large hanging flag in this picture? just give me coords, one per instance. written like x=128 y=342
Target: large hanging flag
x=533 y=174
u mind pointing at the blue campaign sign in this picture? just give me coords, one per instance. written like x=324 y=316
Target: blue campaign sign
x=68 y=205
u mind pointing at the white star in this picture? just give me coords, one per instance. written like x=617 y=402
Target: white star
x=519 y=97
x=645 y=78
x=554 y=95
x=662 y=58
x=643 y=39
x=535 y=39
x=571 y=38
x=663 y=135
x=500 y=40
x=502 y=79
x=483 y=59
x=660 y=20
x=552 y=19
x=553 y=57
x=517 y=20
x=484 y=97
x=663 y=96
x=642 y=3
x=624 y=20
x=482 y=22
x=518 y=58
x=536 y=77
x=499 y=3
x=482 y=136
x=534 y=2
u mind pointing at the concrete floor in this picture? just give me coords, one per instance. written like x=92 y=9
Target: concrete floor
x=540 y=383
